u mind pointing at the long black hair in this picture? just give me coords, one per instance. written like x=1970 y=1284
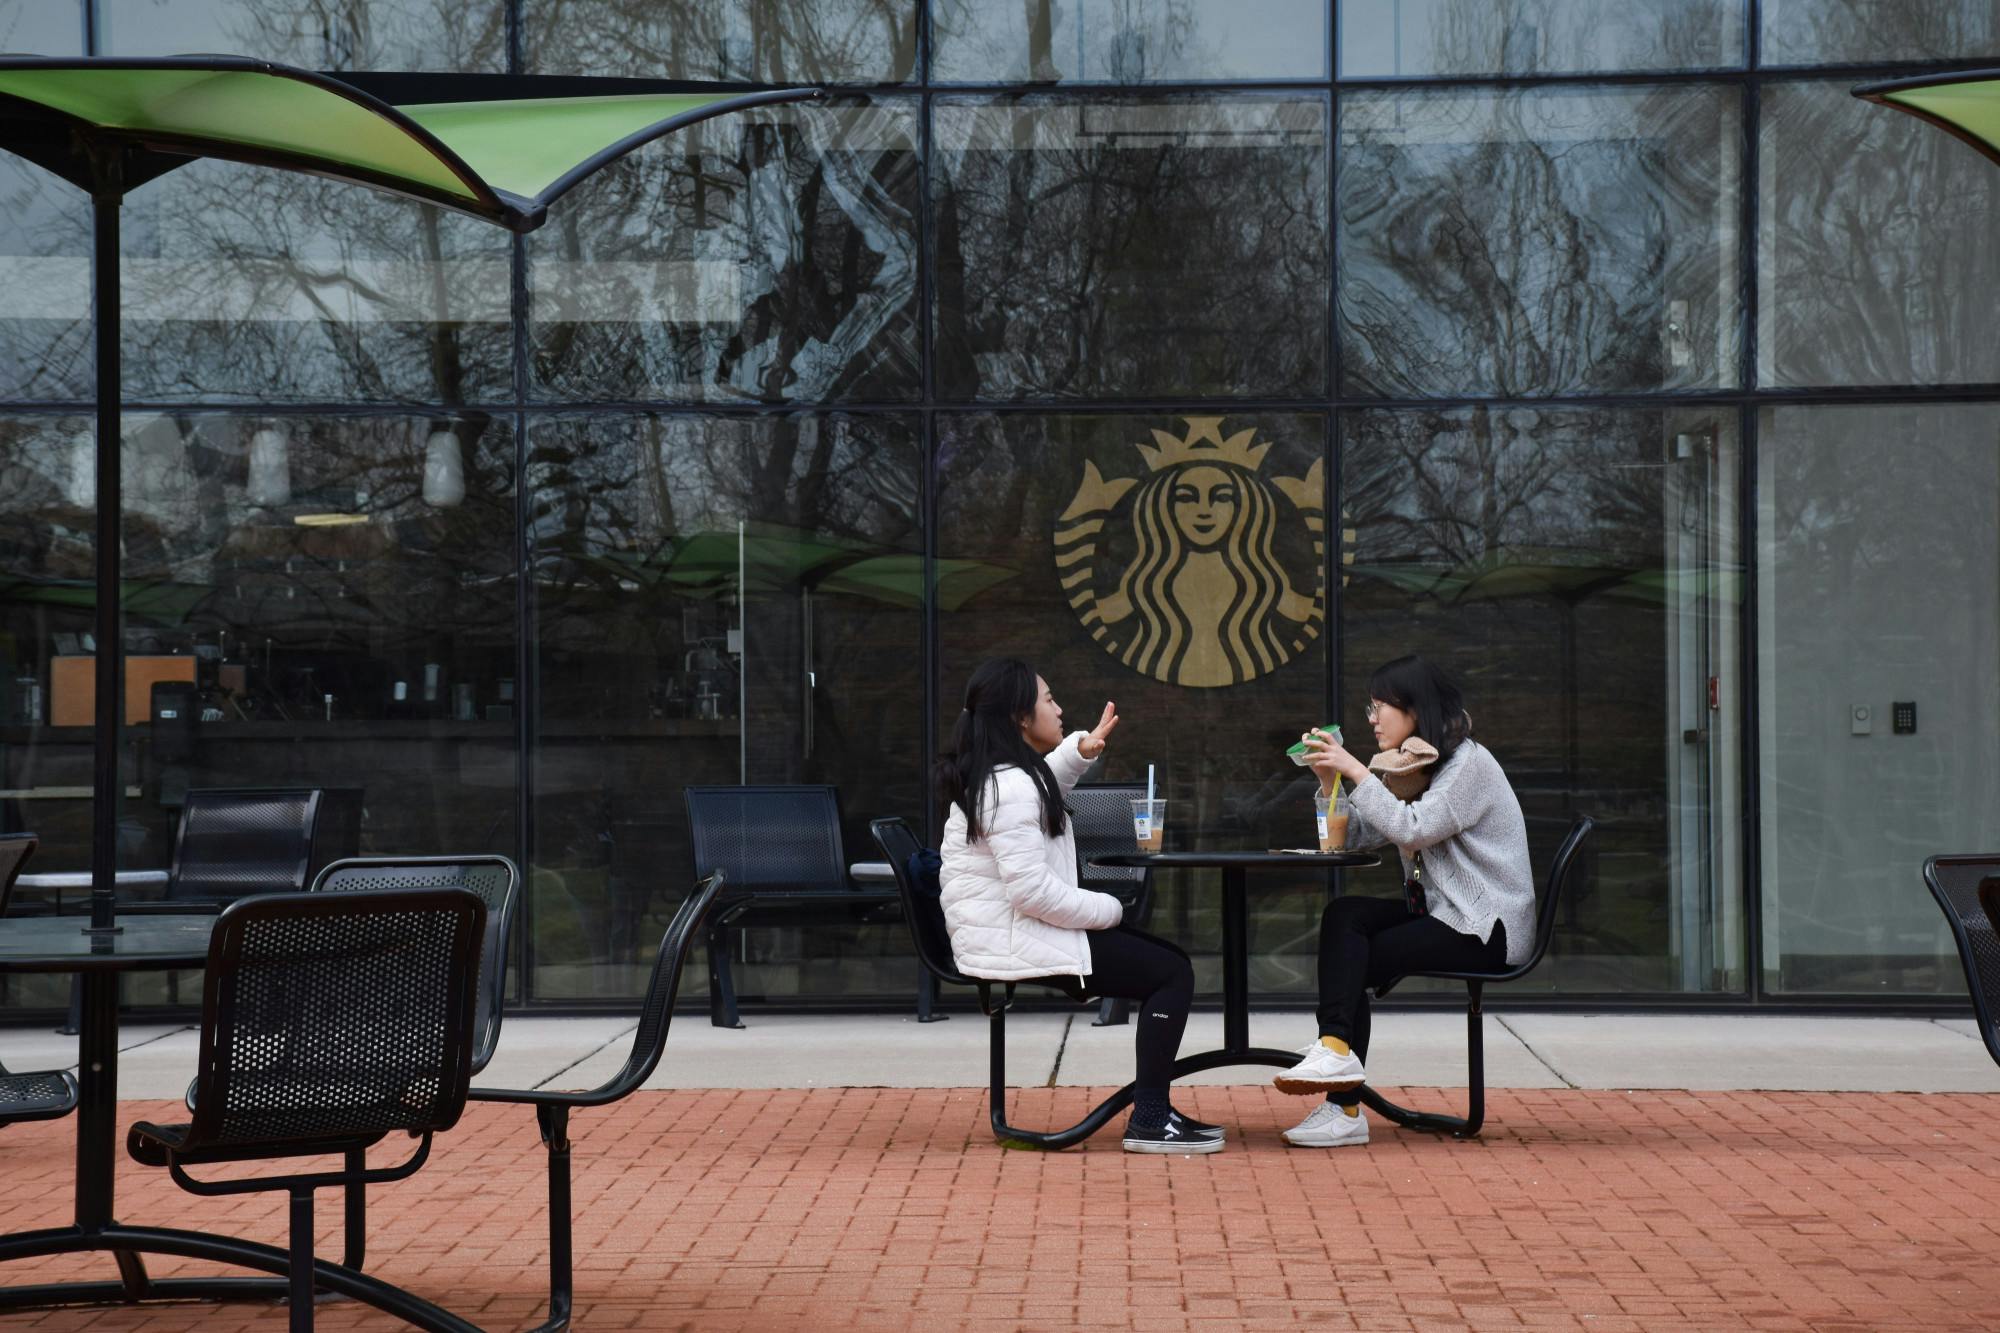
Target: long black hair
x=1423 y=690
x=1000 y=696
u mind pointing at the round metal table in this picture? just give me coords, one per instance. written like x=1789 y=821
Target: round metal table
x=1236 y=868
x=142 y=943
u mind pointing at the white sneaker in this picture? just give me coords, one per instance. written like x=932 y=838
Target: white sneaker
x=1329 y=1127
x=1321 y=1071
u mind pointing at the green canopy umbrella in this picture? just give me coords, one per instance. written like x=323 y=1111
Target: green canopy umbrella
x=1965 y=105
x=481 y=146
x=163 y=602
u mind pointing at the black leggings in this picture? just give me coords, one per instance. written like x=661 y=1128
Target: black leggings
x=1369 y=942
x=1129 y=964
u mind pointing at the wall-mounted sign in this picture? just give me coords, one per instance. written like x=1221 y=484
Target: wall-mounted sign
x=1181 y=573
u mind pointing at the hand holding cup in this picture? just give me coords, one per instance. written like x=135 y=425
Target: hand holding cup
x=1331 y=758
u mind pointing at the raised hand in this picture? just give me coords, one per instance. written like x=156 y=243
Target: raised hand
x=1092 y=744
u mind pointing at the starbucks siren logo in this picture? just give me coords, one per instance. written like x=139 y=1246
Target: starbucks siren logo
x=1204 y=599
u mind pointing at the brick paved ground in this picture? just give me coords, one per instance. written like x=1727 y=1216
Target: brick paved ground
x=866 y=1208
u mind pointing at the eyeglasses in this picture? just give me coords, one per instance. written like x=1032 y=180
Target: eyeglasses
x=1374 y=710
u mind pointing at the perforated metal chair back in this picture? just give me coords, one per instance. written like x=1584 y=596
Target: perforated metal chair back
x=917 y=885
x=498 y=884
x=15 y=849
x=1956 y=881
x=769 y=838
x=336 y=1015
x=1102 y=813
x=235 y=841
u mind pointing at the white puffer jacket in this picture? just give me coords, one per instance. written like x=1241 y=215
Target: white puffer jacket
x=1010 y=898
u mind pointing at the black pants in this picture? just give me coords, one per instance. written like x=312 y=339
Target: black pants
x=1369 y=942
x=1129 y=964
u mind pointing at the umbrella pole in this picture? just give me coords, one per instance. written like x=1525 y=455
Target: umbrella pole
x=106 y=787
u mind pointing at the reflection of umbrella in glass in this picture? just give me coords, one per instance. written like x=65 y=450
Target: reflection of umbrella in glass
x=1965 y=104
x=160 y=602
x=488 y=150
x=899 y=580
x=768 y=558
x=762 y=559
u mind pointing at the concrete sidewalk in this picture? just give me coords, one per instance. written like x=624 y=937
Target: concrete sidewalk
x=1611 y=1051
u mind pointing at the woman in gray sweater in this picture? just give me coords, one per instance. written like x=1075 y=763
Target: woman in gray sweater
x=1464 y=847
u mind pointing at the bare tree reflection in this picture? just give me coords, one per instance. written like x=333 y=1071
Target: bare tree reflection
x=1165 y=247
x=766 y=41
x=1528 y=243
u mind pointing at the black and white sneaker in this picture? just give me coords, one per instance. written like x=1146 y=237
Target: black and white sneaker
x=1176 y=1136
x=1198 y=1128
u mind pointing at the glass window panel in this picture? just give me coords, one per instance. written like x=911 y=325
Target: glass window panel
x=1126 y=41
x=1870 y=594
x=243 y=284
x=755 y=41
x=1538 y=241
x=1078 y=543
x=42 y=27
x=45 y=327
x=1813 y=32
x=1417 y=38
x=691 y=572
x=1165 y=247
x=1876 y=256
x=327 y=614
x=1577 y=571
x=768 y=256
x=457 y=35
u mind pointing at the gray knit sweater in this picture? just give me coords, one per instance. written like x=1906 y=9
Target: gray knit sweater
x=1475 y=844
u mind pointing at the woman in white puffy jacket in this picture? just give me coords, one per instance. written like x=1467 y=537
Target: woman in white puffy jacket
x=1009 y=886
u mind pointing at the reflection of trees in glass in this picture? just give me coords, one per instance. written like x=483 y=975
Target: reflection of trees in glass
x=1445 y=37
x=1804 y=32
x=1527 y=243
x=1455 y=487
x=767 y=259
x=249 y=284
x=1163 y=247
x=1126 y=41
x=1878 y=262
x=45 y=350
x=408 y=577
x=613 y=498
x=316 y=34
x=767 y=41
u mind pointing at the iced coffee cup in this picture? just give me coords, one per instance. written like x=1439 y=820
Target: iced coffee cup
x=1149 y=820
x=1332 y=815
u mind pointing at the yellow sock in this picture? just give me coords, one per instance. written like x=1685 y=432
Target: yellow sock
x=1334 y=1044
x=1352 y=1110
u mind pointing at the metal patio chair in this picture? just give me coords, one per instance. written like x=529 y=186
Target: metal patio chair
x=916 y=870
x=552 y=1109
x=780 y=848
x=1967 y=887
x=234 y=841
x=1560 y=870
x=46 y=1094
x=497 y=884
x=329 y=1022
